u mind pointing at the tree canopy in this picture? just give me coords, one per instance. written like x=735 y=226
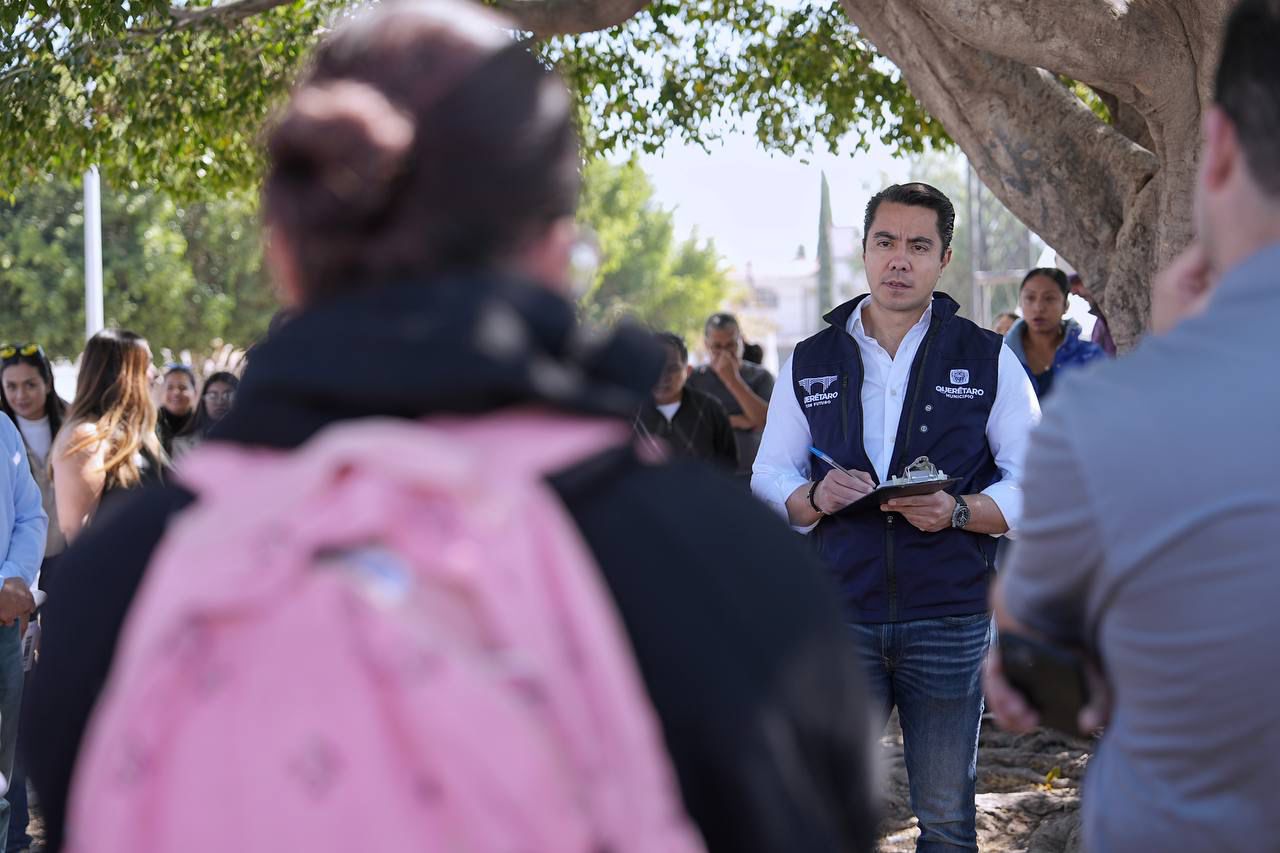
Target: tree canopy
x=179 y=274
x=646 y=273
x=1057 y=103
x=186 y=273
x=175 y=98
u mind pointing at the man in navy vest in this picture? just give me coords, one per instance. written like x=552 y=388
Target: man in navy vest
x=895 y=376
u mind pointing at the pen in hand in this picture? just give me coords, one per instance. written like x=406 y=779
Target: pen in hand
x=827 y=459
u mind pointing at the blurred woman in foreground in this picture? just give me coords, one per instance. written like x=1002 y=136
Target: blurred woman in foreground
x=420 y=201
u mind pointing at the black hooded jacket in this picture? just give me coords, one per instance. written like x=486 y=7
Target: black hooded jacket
x=732 y=622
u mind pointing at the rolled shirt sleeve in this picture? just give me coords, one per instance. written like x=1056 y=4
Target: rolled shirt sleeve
x=1014 y=414
x=30 y=525
x=782 y=463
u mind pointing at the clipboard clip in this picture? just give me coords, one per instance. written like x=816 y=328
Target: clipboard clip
x=920 y=471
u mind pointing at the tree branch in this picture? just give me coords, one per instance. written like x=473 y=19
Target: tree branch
x=546 y=18
x=1128 y=120
x=185 y=17
x=1029 y=138
x=543 y=18
x=1108 y=44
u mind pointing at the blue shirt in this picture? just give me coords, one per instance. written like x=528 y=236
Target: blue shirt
x=23 y=523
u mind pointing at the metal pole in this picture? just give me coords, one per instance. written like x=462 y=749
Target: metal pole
x=977 y=312
x=93 y=313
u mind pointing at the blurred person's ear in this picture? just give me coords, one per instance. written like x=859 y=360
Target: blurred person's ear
x=283 y=267
x=1220 y=156
x=546 y=259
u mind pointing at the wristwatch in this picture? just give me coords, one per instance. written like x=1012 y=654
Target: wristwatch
x=960 y=515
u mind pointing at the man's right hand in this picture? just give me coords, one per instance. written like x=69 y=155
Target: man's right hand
x=16 y=601
x=837 y=490
x=1181 y=290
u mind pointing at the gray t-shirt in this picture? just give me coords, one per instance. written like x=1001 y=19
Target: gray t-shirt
x=760 y=381
x=1149 y=537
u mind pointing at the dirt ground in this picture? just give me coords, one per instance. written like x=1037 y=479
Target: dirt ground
x=1018 y=810
x=1024 y=806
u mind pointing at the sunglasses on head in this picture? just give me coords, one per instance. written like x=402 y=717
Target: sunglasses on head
x=12 y=351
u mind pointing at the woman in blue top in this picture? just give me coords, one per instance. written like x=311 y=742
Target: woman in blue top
x=1044 y=340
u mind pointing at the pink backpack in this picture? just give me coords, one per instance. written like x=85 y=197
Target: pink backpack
x=392 y=639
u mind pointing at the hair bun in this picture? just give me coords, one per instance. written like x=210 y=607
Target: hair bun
x=343 y=140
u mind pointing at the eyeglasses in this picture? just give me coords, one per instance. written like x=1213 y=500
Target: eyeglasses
x=220 y=396
x=12 y=351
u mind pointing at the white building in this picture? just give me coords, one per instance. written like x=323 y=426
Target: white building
x=777 y=305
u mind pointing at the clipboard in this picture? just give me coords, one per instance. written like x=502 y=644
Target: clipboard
x=872 y=500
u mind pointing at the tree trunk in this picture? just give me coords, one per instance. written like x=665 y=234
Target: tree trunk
x=1114 y=199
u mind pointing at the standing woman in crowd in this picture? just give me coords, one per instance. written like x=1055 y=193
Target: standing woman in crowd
x=109 y=441
x=215 y=401
x=420 y=194
x=178 y=410
x=28 y=397
x=1045 y=340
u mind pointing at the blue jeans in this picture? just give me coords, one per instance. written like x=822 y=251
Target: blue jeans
x=19 y=816
x=10 y=708
x=931 y=670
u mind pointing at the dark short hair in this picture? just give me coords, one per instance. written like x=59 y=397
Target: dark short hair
x=1247 y=87
x=1058 y=276
x=671 y=339
x=721 y=320
x=915 y=194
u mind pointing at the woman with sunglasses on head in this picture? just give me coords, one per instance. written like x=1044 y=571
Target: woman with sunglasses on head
x=420 y=199
x=215 y=402
x=109 y=442
x=178 y=406
x=28 y=397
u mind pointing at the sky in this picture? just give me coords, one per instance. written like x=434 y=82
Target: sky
x=759 y=207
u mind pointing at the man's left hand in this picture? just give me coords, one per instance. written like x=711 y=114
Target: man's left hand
x=929 y=513
x=16 y=601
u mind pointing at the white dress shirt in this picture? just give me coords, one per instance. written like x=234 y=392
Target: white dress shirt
x=38 y=436
x=782 y=465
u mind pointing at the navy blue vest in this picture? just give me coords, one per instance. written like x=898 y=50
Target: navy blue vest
x=889 y=571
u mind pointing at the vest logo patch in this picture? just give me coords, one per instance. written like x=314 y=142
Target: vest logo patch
x=959 y=377
x=815 y=390
x=953 y=393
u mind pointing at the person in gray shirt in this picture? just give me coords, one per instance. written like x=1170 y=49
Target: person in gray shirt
x=741 y=387
x=1152 y=508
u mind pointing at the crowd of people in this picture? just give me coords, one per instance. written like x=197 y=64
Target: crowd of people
x=126 y=425
x=445 y=570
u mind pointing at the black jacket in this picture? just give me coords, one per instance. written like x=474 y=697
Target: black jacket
x=732 y=622
x=700 y=429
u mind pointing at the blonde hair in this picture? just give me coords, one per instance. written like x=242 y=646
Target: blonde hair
x=113 y=393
